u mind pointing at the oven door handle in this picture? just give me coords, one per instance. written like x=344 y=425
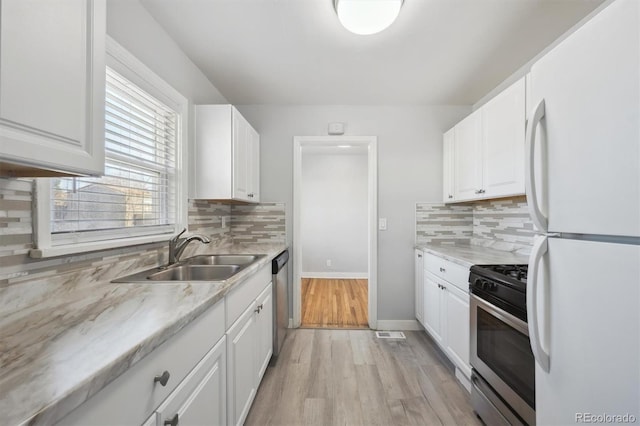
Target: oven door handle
x=533 y=277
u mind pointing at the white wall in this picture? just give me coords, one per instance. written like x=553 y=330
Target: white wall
x=129 y=23
x=334 y=220
x=409 y=170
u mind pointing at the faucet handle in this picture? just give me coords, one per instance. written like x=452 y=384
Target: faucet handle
x=178 y=236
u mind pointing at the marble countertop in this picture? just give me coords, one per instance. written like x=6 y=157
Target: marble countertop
x=469 y=255
x=80 y=331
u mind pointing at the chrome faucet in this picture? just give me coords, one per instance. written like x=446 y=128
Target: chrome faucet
x=177 y=245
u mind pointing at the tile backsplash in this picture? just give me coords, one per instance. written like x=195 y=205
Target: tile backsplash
x=503 y=224
x=443 y=224
x=243 y=223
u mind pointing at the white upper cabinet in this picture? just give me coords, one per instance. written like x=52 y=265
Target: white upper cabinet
x=467 y=161
x=448 y=167
x=227 y=155
x=488 y=149
x=503 y=125
x=52 y=72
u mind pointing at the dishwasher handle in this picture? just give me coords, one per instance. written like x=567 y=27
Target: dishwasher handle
x=279 y=262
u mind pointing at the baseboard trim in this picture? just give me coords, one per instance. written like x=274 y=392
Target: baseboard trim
x=409 y=325
x=336 y=275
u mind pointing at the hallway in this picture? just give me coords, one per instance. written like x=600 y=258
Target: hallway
x=334 y=303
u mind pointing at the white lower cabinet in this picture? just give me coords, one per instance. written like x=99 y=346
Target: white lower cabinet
x=457 y=332
x=241 y=386
x=446 y=311
x=168 y=372
x=249 y=350
x=264 y=328
x=207 y=374
x=433 y=307
x=419 y=291
x=201 y=397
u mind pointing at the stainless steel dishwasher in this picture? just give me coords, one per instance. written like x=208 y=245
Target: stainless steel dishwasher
x=280 y=272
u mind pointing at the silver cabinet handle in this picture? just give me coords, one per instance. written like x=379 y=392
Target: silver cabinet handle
x=442 y=270
x=419 y=255
x=258 y=309
x=482 y=191
x=163 y=378
x=450 y=196
x=173 y=421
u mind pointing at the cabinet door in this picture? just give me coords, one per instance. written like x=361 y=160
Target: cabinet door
x=448 y=166
x=457 y=323
x=432 y=307
x=52 y=74
x=264 y=331
x=253 y=166
x=467 y=161
x=241 y=154
x=200 y=398
x=241 y=378
x=503 y=122
x=419 y=285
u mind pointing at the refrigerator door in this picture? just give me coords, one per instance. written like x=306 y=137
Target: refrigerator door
x=591 y=327
x=588 y=172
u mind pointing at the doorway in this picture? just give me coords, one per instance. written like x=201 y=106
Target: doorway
x=335 y=236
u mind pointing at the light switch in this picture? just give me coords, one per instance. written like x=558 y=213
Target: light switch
x=382 y=224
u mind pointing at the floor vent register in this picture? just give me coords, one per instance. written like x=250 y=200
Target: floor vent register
x=390 y=335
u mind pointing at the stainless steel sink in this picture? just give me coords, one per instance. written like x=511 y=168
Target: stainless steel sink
x=196 y=273
x=215 y=267
x=223 y=259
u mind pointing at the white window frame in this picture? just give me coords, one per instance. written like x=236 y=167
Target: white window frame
x=124 y=63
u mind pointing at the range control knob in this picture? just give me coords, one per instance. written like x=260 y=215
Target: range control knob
x=477 y=282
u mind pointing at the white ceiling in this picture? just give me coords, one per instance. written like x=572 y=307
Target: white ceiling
x=296 y=51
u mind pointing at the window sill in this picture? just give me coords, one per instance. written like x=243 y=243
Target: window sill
x=68 y=249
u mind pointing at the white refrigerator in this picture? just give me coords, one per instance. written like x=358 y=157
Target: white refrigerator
x=583 y=191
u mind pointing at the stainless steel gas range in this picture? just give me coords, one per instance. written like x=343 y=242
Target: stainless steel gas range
x=503 y=366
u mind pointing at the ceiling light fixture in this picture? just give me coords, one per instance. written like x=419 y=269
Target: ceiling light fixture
x=366 y=17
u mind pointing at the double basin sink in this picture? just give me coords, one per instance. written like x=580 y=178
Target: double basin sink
x=214 y=267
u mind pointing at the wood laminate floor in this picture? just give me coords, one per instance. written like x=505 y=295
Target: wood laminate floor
x=334 y=303
x=349 y=377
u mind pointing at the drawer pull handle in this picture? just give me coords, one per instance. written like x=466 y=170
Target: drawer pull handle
x=442 y=270
x=163 y=379
x=258 y=309
x=173 y=421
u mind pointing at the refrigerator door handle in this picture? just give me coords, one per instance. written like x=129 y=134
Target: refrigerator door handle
x=538 y=219
x=539 y=249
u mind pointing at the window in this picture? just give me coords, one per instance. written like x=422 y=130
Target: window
x=139 y=198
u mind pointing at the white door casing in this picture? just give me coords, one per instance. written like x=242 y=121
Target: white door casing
x=319 y=141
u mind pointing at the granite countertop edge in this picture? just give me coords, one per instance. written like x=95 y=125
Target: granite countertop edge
x=469 y=255
x=206 y=295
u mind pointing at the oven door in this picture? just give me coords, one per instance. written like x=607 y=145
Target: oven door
x=501 y=354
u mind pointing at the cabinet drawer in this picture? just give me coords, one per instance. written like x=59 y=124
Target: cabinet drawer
x=135 y=393
x=243 y=294
x=455 y=274
x=201 y=397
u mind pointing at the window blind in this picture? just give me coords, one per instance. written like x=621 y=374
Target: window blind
x=137 y=194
